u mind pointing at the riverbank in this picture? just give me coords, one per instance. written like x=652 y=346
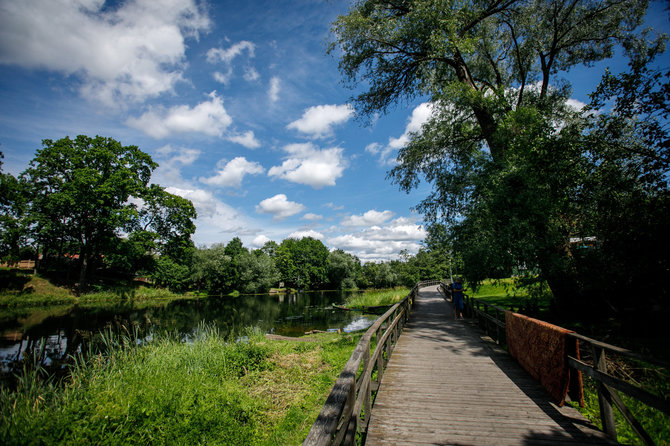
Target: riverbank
x=20 y=290
x=207 y=391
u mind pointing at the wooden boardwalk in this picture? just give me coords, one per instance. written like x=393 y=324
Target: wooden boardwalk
x=446 y=385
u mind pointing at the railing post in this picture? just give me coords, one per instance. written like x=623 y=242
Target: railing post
x=367 y=402
x=380 y=361
x=497 y=327
x=604 y=397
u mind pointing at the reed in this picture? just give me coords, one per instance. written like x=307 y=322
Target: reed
x=374 y=298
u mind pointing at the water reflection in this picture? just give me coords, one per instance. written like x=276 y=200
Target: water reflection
x=51 y=334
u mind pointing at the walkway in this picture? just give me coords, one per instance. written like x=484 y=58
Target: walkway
x=446 y=385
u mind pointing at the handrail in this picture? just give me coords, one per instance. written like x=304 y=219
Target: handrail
x=605 y=383
x=340 y=418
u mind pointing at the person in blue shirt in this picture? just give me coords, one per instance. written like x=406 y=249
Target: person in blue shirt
x=457 y=297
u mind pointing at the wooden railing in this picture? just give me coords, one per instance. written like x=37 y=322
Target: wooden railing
x=492 y=319
x=606 y=385
x=349 y=404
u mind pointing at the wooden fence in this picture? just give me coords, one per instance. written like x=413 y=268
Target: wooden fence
x=491 y=318
x=349 y=404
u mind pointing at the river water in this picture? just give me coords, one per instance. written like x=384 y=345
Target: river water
x=53 y=334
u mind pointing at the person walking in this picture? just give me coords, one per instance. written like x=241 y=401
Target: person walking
x=457 y=297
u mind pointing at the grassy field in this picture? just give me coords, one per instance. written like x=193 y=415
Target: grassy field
x=374 y=298
x=208 y=391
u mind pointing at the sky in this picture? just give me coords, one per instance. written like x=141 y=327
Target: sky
x=238 y=103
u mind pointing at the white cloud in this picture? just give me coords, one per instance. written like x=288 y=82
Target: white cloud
x=223 y=78
x=247 y=139
x=227 y=55
x=171 y=160
x=209 y=118
x=312 y=217
x=333 y=206
x=120 y=54
x=259 y=241
x=318 y=121
x=205 y=203
x=420 y=115
x=306 y=164
x=575 y=104
x=233 y=172
x=273 y=91
x=369 y=218
x=182 y=155
x=279 y=207
x=250 y=74
x=305 y=234
x=216 y=220
x=381 y=242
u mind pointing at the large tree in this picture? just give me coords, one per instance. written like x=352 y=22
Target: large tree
x=79 y=194
x=303 y=263
x=502 y=149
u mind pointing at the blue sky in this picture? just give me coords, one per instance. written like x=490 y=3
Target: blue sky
x=237 y=102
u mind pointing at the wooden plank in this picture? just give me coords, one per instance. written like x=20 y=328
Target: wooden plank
x=445 y=385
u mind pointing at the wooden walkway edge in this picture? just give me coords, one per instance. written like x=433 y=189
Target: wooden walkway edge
x=447 y=385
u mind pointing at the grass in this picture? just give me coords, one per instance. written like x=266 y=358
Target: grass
x=504 y=293
x=23 y=290
x=655 y=422
x=207 y=391
x=374 y=298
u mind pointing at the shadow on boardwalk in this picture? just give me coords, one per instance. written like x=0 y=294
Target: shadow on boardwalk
x=446 y=384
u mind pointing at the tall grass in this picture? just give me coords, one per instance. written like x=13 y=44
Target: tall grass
x=374 y=298
x=207 y=391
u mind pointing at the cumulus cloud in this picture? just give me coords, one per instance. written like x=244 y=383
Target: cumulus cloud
x=273 y=91
x=305 y=234
x=307 y=164
x=209 y=118
x=369 y=218
x=120 y=54
x=318 y=121
x=247 y=139
x=381 y=242
x=279 y=207
x=232 y=173
x=420 y=115
x=260 y=241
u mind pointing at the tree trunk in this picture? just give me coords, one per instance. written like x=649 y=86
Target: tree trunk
x=83 y=271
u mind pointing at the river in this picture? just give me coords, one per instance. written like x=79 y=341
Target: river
x=53 y=334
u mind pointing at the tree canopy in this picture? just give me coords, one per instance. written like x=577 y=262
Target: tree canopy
x=80 y=193
x=516 y=172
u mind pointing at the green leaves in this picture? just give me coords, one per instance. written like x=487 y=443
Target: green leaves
x=79 y=193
